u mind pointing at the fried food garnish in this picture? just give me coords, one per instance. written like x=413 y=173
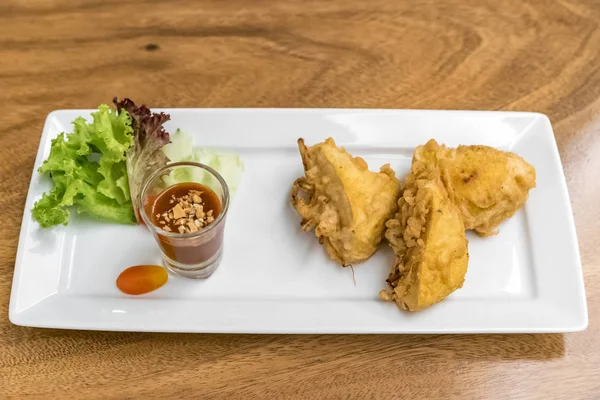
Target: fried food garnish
x=428 y=238
x=346 y=204
x=487 y=185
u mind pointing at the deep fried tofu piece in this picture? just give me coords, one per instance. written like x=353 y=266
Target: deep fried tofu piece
x=487 y=185
x=346 y=204
x=427 y=235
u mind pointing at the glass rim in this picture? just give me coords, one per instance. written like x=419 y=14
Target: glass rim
x=148 y=220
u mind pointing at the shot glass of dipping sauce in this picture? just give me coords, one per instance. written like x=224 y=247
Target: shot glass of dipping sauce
x=184 y=205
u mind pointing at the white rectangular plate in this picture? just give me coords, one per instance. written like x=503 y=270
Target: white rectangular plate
x=276 y=279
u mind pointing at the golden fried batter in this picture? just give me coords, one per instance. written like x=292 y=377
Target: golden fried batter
x=428 y=238
x=487 y=185
x=346 y=204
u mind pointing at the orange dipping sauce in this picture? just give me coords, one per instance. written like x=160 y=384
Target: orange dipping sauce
x=201 y=246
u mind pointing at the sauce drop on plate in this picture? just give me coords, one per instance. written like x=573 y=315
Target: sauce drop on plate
x=142 y=279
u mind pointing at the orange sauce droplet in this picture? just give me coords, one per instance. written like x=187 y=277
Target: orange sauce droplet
x=142 y=279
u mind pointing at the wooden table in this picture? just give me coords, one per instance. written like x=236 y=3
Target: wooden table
x=497 y=55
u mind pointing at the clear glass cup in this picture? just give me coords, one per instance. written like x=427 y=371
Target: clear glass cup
x=194 y=254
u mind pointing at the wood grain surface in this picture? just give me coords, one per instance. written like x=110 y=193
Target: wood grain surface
x=499 y=55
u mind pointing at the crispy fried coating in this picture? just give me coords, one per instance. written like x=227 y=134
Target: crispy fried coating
x=487 y=185
x=346 y=204
x=428 y=238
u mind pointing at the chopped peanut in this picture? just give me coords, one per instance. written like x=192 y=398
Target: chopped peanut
x=187 y=214
x=178 y=212
x=192 y=226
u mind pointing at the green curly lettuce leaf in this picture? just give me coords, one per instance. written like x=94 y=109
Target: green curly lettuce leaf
x=88 y=170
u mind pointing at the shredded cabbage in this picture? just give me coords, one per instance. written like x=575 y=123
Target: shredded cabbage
x=229 y=165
